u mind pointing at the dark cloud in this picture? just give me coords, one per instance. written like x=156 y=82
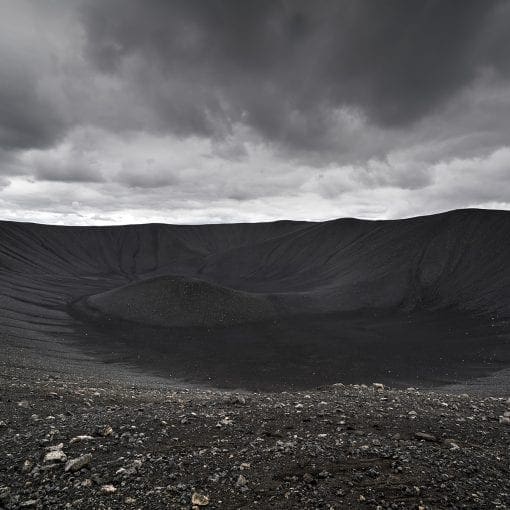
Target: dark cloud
x=283 y=67
x=64 y=171
x=223 y=110
x=28 y=118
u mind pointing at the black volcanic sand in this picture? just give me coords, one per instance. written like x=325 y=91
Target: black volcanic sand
x=299 y=352
x=423 y=301
x=103 y=332
x=156 y=447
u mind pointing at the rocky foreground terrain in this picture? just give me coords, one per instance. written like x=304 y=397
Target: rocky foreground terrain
x=74 y=443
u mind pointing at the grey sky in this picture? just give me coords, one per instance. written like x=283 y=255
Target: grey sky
x=119 y=111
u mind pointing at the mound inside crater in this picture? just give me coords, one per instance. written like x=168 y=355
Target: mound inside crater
x=175 y=301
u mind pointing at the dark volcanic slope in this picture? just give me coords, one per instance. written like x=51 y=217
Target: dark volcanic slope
x=176 y=301
x=227 y=275
x=456 y=259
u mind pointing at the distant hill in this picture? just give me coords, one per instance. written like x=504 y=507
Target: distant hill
x=459 y=259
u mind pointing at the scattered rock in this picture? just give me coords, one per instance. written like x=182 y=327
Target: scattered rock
x=77 y=463
x=104 y=430
x=425 y=436
x=238 y=399
x=108 y=489
x=77 y=439
x=29 y=503
x=225 y=422
x=452 y=443
x=55 y=456
x=199 y=499
x=27 y=466
x=241 y=481
x=304 y=449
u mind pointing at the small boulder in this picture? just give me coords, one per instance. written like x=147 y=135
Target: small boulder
x=55 y=456
x=424 y=436
x=198 y=499
x=77 y=463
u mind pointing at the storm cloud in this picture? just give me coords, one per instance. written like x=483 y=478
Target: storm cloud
x=194 y=110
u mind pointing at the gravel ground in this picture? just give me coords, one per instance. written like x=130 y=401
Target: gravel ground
x=79 y=442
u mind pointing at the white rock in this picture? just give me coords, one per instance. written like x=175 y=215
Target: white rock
x=55 y=447
x=29 y=503
x=199 y=499
x=77 y=463
x=241 y=481
x=108 y=489
x=104 y=431
x=81 y=438
x=224 y=422
x=27 y=466
x=55 y=456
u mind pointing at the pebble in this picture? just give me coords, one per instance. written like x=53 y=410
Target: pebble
x=425 y=436
x=27 y=466
x=55 y=456
x=225 y=422
x=199 y=499
x=77 y=463
x=77 y=439
x=29 y=503
x=108 y=489
x=104 y=430
x=452 y=444
x=241 y=481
